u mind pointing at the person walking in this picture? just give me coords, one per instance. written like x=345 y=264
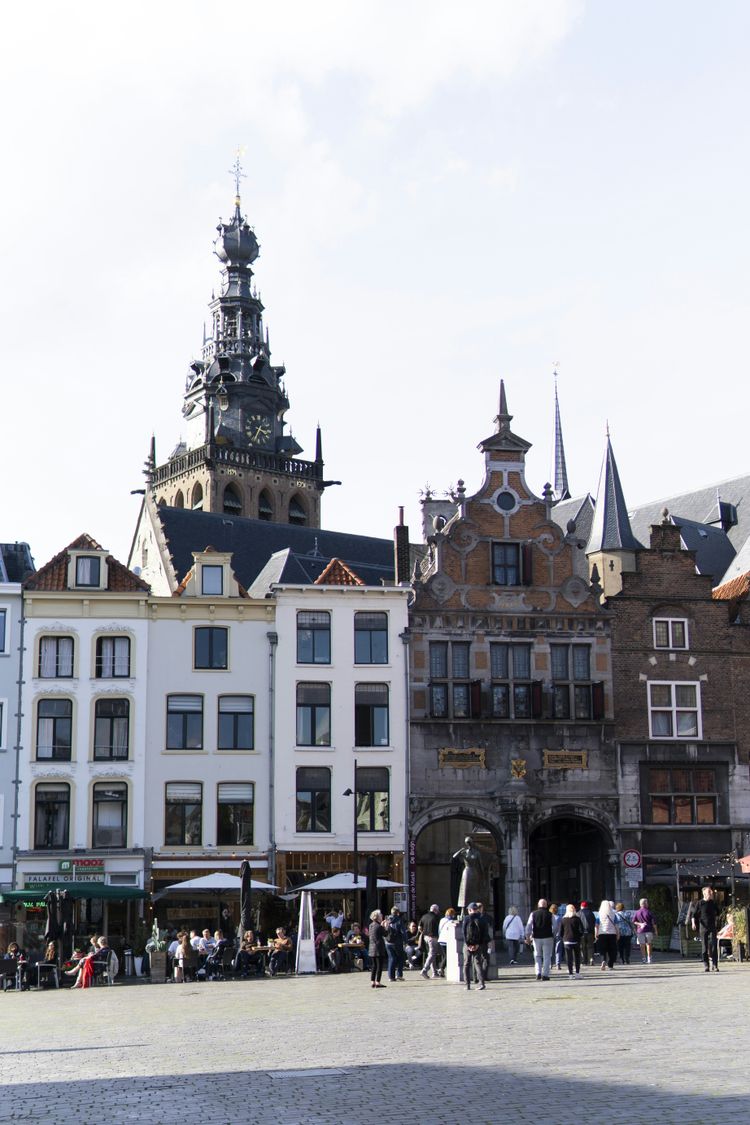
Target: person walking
x=606 y=935
x=539 y=929
x=513 y=932
x=557 y=943
x=377 y=950
x=476 y=937
x=645 y=930
x=571 y=931
x=429 y=925
x=705 y=919
x=394 y=945
x=588 y=921
x=624 y=933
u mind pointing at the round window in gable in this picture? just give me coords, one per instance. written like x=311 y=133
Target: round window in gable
x=505 y=501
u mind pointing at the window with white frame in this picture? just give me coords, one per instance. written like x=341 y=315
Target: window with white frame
x=110 y=819
x=111 y=729
x=212 y=579
x=211 y=647
x=674 y=710
x=313 y=637
x=3 y=630
x=236 y=722
x=234 y=813
x=54 y=729
x=112 y=658
x=670 y=632
x=55 y=658
x=370 y=714
x=371 y=638
x=314 y=714
x=183 y=813
x=51 y=815
x=88 y=570
x=373 y=799
x=184 y=722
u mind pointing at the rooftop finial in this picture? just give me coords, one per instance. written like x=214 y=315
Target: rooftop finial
x=238 y=173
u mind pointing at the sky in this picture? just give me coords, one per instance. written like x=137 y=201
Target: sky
x=445 y=195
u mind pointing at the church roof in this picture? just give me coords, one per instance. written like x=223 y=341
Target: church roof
x=301 y=554
x=54 y=574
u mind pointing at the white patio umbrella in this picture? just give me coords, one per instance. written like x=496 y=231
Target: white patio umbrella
x=344 y=881
x=218 y=882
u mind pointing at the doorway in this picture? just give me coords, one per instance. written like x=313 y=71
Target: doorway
x=568 y=861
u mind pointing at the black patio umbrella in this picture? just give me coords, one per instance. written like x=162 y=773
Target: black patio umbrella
x=52 y=928
x=246 y=917
x=371 y=886
x=65 y=915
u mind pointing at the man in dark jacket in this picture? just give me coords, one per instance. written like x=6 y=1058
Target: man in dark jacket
x=476 y=938
x=588 y=922
x=428 y=928
x=539 y=929
x=705 y=919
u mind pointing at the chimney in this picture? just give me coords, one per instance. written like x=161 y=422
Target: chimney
x=401 y=566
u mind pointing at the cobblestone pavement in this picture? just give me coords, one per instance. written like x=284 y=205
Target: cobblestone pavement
x=659 y=1043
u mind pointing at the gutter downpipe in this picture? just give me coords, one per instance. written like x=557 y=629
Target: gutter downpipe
x=406 y=638
x=273 y=640
x=19 y=722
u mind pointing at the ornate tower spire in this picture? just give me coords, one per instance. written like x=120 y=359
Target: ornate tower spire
x=562 y=492
x=238 y=456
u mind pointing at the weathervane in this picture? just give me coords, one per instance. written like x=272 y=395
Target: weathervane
x=237 y=172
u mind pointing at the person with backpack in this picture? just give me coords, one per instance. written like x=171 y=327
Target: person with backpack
x=394 y=945
x=476 y=935
x=571 y=929
x=624 y=933
x=588 y=921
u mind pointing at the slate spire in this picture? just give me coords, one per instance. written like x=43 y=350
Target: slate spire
x=611 y=529
x=562 y=491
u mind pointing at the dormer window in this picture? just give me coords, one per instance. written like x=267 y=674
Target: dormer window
x=212 y=580
x=88 y=571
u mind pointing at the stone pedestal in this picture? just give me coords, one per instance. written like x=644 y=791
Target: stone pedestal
x=454 y=968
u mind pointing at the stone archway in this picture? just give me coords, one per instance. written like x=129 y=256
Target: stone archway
x=570 y=859
x=437 y=840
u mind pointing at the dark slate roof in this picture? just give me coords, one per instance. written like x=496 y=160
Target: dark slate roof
x=611 y=530
x=252 y=542
x=16 y=563
x=713 y=551
x=700 y=506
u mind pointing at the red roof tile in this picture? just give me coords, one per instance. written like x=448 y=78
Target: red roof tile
x=337 y=573
x=734 y=589
x=54 y=574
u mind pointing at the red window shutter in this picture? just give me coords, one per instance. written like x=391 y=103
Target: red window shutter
x=476 y=699
x=526 y=564
x=597 y=700
x=536 y=699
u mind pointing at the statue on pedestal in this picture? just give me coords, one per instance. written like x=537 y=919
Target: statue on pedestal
x=473 y=886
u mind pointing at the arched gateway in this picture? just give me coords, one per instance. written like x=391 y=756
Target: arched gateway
x=571 y=858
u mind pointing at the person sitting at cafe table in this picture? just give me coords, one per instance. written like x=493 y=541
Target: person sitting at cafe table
x=17 y=973
x=281 y=947
x=332 y=950
x=357 y=947
x=206 y=943
x=250 y=957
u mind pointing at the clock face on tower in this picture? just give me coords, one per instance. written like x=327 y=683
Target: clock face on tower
x=258 y=428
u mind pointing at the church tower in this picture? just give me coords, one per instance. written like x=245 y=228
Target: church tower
x=237 y=458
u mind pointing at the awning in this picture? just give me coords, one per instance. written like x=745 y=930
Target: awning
x=38 y=892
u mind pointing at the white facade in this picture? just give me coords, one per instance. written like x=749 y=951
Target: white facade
x=367 y=722
x=207 y=803
x=83 y=733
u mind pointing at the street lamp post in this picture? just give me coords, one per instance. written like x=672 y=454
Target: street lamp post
x=353 y=793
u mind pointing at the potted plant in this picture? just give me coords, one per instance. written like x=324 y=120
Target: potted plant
x=156 y=946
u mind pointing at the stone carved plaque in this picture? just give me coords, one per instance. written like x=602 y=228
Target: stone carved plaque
x=452 y=758
x=566 y=759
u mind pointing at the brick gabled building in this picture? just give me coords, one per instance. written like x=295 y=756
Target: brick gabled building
x=511 y=696
x=680 y=669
